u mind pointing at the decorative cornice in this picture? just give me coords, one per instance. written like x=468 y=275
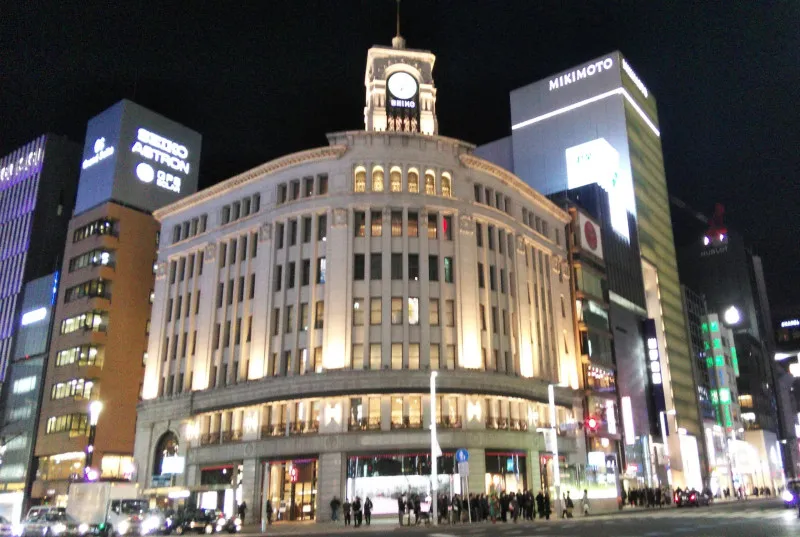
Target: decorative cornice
x=479 y=164
x=287 y=161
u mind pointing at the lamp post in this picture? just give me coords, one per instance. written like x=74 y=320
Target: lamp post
x=95 y=407
x=551 y=399
x=436 y=452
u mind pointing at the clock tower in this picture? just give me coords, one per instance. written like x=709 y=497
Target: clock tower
x=401 y=96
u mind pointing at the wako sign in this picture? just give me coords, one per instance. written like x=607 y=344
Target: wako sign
x=137 y=157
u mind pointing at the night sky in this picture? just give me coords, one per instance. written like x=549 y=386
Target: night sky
x=273 y=77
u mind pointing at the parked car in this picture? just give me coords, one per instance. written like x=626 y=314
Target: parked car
x=229 y=525
x=790 y=493
x=199 y=521
x=692 y=498
x=52 y=524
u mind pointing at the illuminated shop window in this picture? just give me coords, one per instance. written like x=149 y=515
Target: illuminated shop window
x=446 y=185
x=395 y=180
x=360 y=180
x=413 y=181
x=377 y=179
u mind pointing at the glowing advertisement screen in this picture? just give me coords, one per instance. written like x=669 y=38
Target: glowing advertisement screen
x=135 y=156
x=598 y=162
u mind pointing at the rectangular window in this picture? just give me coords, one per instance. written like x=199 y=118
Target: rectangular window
x=291 y=275
x=492 y=278
x=397 y=310
x=172 y=269
x=433 y=268
x=432 y=227
x=217 y=330
x=397 y=266
x=375 y=356
x=413 y=267
x=450 y=356
x=220 y=294
x=413 y=224
x=433 y=354
x=308 y=186
x=357 y=357
x=197 y=303
x=490 y=232
x=322 y=184
x=303 y=327
x=502 y=280
x=292 y=232
x=479 y=234
x=505 y=323
x=305 y=272
x=413 y=311
x=358 y=267
x=501 y=241
x=449 y=312
x=321 y=265
x=295 y=189
x=359 y=307
x=288 y=325
x=477 y=191
x=483 y=317
x=279 y=233
x=397 y=223
x=448 y=270
x=447 y=227
x=360 y=223
x=397 y=356
x=494 y=319
x=306 y=229
x=256 y=202
x=322 y=227
x=433 y=312
x=243 y=248
x=230 y=291
x=375 y=310
x=223 y=254
x=481 y=276
x=375 y=266
x=413 y=355
x=276 y=321
x=252 y=293
x=376 y=224
x=319 y=314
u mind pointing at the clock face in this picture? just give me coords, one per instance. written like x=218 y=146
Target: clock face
x=402 y=85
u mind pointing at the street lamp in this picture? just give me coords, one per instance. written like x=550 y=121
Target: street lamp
x=95 y=407
x=436 y=452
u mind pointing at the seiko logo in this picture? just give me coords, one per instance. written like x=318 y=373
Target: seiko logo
x=580 y=74
x=400 y=103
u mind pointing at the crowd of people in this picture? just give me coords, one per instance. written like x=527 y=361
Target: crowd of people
x=646 y=497
x=495 y=507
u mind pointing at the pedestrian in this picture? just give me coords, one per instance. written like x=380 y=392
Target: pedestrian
x=540 y=504
x=357 y=513
x=268 y=511
x=335 y=504
x=547 y=506
x=368 y=510
x=513 y=508
x=417 y=509
x=401 y=508
x=346 y=507
x=570 y=505
x=242 y=510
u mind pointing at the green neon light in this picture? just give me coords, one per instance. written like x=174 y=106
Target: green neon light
x=724 y=395
x=714 y=397
x=704 y=327
x=735 y=364
x=705 y=345
x=719 y=361
x=715 y=327
x=709 y=361
x=717 y=343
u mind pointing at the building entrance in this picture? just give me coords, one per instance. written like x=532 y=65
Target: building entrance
x=291 y=488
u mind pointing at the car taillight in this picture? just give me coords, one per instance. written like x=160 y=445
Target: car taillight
x=692 y=497
x=676 y=498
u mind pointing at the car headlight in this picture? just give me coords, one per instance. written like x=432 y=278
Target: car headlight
x=787 y=496
x=83 y=528
x=17 y=529
x=59 y=528
x=123 y=527
x=150 y=523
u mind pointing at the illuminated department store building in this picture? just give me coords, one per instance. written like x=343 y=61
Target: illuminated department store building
x=292 y=340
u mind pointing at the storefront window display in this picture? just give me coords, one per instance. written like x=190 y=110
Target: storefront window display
x=291 y=487
x=385 y=477
x=223 y=486
x=506 y=471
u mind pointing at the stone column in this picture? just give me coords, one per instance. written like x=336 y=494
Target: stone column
x=331 y=482
x=251 y=486
x=477 y=470
x=534 y=473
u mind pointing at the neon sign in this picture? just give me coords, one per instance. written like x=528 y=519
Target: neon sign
x=632 y=75
x=101 y=152
x=160 y=151
x=22 y=165
x=580 y=74
x=33 y=316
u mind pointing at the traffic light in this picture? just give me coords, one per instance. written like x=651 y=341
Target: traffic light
x=592 y=424
x=293 y=474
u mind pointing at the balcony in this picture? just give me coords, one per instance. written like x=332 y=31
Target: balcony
x=448 y=422
x=277 y=429
x=365 y=424
x=507 y=424
x=231 y=436
x=408 y=423
x=209 y=438
x=304 y=427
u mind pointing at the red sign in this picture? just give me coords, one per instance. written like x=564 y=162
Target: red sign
x=590 y=234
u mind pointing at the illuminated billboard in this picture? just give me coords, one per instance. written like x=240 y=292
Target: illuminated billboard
x=137 y=157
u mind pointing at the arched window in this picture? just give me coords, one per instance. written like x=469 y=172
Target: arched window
x=413 y=180
x=395 y=180
x=430 y=183
x=377 y=179
x=446 y=186
x=167 y=446
x=361 y=180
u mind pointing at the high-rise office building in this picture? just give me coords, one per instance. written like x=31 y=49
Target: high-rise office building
x=134 y=162
x=37 y=194
x=23 y=394
x=597 y=124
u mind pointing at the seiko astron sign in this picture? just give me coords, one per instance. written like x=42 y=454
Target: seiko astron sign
x=581 y=73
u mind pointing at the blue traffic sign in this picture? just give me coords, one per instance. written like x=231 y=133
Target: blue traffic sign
x=462 y=455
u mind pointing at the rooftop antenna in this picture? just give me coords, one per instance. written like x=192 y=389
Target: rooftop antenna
x=397 y=40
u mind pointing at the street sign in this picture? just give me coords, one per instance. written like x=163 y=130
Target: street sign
x=463 y=469
x=462 y=455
